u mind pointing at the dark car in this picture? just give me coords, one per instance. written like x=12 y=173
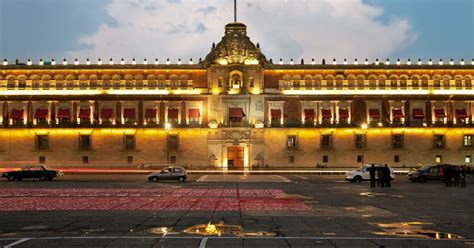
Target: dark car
x=43 y=173
x=430 y=172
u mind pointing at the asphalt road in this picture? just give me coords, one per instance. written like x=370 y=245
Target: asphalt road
x=244 y=211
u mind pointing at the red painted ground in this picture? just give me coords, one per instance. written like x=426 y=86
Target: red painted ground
x=148 y=200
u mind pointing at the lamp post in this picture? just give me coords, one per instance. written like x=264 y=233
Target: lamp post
x=364 y=128
x=168 y=129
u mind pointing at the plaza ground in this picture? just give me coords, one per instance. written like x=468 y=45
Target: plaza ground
x=284 y=210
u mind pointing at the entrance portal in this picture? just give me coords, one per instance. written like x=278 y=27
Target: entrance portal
x=235 y=157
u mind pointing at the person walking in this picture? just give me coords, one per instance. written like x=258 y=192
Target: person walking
x=372 y=176
x=386 y=176
x=447 y=175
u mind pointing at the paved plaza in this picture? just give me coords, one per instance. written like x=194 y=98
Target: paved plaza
x=233 y=211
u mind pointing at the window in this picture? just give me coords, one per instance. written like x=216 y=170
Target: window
x=11 y=84
x=360 y=158
x=291 y=159
x=396 y=159
x=326 y=141
x=467 y=142
x=173 y=142
x=42 y=142
x=130 y=159
x=439 y=159
x=85 y=159
x=397 y=141
x=220 y=82
x=85 y=142
x=172 y=159
x=129 y=142
x=325 y=159
x=42 y=159
x=467 y=159
x=291 y=142
x=439 y=141
x=360 y=141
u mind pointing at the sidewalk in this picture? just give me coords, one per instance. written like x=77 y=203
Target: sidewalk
x=134 y=170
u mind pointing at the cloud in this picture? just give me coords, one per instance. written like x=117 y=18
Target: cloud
x=288 y=29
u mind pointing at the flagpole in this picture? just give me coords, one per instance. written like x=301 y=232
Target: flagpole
x=235 y=10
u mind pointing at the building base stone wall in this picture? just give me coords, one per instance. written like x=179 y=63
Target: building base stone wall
x=209 y=148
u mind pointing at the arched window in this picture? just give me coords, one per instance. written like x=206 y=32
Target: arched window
x=151 y=81
x=296 y=81
x=360 y=82
x=381 y=82
x=174 y=81
x=424 y=82
x=308 y=81
x=458 y=83
x=59 y=82
x=415 y=82
x=22 y=83
x=139 y=82
x=329 y=83
x=11 y=83
x=35 y=82
x=403 y=82
x=317 y=82
x=162 y=81
x=446 y=83
x=129 y=82
x=372 y=83
x=339 y=83
x=184 y=81
x=70 y=82
x=436 y=83
x=83 y=82
x=350 y=82
x=45 y=84
x=106 y=82
x=116 y=82
x=468 y=83
x=393 y=83
x=93 y=82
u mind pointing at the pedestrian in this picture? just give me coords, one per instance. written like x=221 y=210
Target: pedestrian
x=379 y=177
x=456 y=176
x=386 y=176
x=447 y=175
x=372 y=176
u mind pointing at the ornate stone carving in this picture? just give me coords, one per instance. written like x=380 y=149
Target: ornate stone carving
x=235 y=48
x=237 y=135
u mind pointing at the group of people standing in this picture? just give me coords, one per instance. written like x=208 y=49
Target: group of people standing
x=382 y=175
x=455 y=176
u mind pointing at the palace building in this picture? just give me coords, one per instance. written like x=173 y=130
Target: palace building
x=236 y=109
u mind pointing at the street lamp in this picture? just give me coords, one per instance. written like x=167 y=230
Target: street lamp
x=364 y=128
x=167 y=128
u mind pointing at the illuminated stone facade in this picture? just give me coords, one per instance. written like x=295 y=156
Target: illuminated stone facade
x=236 y=109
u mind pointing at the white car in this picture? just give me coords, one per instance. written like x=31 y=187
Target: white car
x=362 y=173
x=169 y=173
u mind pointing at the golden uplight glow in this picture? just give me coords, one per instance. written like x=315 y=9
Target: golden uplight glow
x=104 y=92
x=378 y=92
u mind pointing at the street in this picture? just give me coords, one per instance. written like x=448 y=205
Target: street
x=120 y=210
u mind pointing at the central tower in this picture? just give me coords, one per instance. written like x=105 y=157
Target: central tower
x=235 y=48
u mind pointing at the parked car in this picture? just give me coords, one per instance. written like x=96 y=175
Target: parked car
x=362 y=173
x=430 y=172
x=41 y=172
x=169 y=173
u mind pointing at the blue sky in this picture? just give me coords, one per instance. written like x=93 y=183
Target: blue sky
x=285 y=29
